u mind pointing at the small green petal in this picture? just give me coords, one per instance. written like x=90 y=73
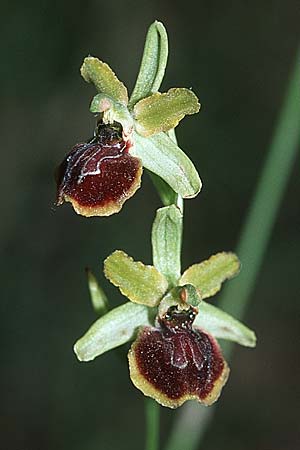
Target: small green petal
x=105 y=81
x=166 y=242
x=162 y=156
x=98 y=297
x=209 y=275
x=115 y=328
x=223 y=326
x=162 y=112
x=190 y=295
x=140 y=283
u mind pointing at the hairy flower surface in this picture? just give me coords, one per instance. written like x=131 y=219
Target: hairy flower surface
x=97 y=177
x=175 y=361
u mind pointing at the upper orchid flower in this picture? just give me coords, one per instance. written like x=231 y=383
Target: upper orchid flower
x=99 y=175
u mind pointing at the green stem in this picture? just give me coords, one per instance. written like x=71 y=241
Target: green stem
x=149 y=79
x=254 y=239
x=152 y=424
x=167 y=195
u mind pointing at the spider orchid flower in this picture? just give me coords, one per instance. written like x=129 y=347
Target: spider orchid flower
x=98 y=175
x=174 y=354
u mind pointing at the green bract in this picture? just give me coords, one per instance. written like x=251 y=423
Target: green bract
x=166 y=242
x=98 y=297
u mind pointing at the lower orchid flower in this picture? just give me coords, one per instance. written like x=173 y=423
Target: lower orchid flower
x=175 y=361
x=174 y=356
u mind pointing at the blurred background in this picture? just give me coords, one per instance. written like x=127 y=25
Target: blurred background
x=237 y=57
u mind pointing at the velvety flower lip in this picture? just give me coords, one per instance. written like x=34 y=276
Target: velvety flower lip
x=175 y=361
x=98 y=176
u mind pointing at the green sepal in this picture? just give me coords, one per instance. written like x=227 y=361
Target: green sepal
x=167 y=195
x=209 y=275
x=115 y=328
x=166 y=242
x=223 y=326
x=105 y=81
x=140 y=283
x=162 y=156
x=98 y=297
x=153 y=63
x=112 y=111
x=162 y=112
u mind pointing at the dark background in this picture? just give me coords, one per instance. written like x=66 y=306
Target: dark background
x=237 y=56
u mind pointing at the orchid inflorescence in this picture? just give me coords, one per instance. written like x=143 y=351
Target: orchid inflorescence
x=174 y=356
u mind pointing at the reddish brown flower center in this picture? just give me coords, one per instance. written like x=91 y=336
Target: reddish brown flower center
x=178 y=360
x=176 y=327
x=99 y=174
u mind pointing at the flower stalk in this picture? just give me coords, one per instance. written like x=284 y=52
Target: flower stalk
x=152 y=414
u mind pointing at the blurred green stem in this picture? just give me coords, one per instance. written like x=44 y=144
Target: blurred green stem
x=152 y=410
x=262 y=213
x=193 y=419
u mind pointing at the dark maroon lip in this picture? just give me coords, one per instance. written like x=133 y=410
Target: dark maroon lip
x=177 y=359
x=99 y=172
